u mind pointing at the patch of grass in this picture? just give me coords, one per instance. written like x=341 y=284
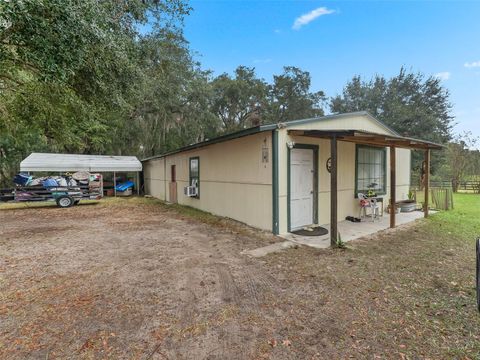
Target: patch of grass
x=463 y=222
x=409 y=293
x=26 y=205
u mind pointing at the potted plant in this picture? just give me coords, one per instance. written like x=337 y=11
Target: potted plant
x=407 y=205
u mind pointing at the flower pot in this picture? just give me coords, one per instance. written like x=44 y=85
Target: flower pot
x=406 y=205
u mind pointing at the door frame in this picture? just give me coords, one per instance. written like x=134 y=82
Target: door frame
x=315 y=182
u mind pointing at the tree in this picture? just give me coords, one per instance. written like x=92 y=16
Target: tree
x=239 y=102
x=460 y=158
x=245 y=100
x=410 y=103
x=172 y=100
x=69 y=73
x=290 y=97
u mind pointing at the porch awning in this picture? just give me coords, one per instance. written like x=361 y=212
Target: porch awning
x=368 y=138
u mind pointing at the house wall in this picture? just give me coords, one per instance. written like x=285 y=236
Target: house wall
x=347 y=203
x=234 y=182
x=154 y=177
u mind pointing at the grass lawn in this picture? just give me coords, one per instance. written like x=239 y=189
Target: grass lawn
x=406 y=294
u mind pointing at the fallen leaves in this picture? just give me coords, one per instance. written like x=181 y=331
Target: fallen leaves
x=285 y=342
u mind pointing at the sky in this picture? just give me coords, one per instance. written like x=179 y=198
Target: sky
x=335 y=40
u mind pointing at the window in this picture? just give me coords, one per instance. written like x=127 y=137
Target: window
x=371 y=169
x=194 y=173
x=173 y=173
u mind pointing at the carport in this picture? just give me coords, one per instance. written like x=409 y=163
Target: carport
x=46 y=162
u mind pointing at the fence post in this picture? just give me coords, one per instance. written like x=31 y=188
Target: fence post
x=427 y=180
x=477 y=277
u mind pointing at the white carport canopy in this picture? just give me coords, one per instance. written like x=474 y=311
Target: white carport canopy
x=73 y=162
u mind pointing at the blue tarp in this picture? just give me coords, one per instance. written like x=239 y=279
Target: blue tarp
x=124 y=186
x=49 y=183
x=22 y=179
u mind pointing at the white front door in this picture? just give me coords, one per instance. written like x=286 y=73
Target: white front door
x=301 y=188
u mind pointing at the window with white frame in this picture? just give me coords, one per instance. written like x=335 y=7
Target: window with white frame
x=194 y=173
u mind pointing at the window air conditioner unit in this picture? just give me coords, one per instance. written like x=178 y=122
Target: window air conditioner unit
x=190 y=191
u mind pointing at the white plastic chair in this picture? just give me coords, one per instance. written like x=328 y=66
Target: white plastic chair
x=366 y=203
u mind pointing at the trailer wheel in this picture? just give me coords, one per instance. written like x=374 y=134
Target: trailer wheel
x=64 y=201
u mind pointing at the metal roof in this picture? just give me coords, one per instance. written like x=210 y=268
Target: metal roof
x=270 y=127
x=76 y=162
x=235 y=135
x=369 y=138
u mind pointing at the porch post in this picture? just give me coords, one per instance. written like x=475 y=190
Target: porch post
x=393 y=186
x=138 y=183
x=114 y=184
x=427 y=181
x=333 y=192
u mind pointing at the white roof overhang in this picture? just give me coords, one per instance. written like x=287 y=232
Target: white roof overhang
x=75 y=162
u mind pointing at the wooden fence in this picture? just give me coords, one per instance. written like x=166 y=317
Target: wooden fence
x=439 y=198
x=469 y=186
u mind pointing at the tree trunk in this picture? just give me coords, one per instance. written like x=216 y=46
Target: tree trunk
x=455 y=185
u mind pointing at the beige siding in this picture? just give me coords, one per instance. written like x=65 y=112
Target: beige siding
x=234 y=182
x=154 y=178
x=357 y=122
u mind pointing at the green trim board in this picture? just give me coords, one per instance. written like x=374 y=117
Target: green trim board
x=384 y=156
x=275 y=210
x=315 y=182
x=198 y=174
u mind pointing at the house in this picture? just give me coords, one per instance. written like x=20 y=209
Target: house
x=286 y=176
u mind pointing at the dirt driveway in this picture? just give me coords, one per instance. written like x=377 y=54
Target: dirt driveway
x=129 y=280
x=134 y=279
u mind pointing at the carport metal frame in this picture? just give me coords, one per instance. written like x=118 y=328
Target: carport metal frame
x=54 y=162
x=373 y=139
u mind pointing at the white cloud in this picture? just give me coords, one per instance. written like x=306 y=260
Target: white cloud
x=261 y=61
x=309 y=17
x=444 y=75
x=277 y=31
x=472 y=64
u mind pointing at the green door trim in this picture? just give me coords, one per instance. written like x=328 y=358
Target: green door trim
x=315 y=182
x=275 y=225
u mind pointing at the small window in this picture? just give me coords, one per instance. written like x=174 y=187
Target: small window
x=173 y=173
x=371 y=169
x=195 y=173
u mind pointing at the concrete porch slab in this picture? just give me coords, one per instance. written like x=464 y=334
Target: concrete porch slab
x=259 y=252
x=351 y=231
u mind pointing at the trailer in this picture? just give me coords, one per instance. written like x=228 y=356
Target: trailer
x=64 y=196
